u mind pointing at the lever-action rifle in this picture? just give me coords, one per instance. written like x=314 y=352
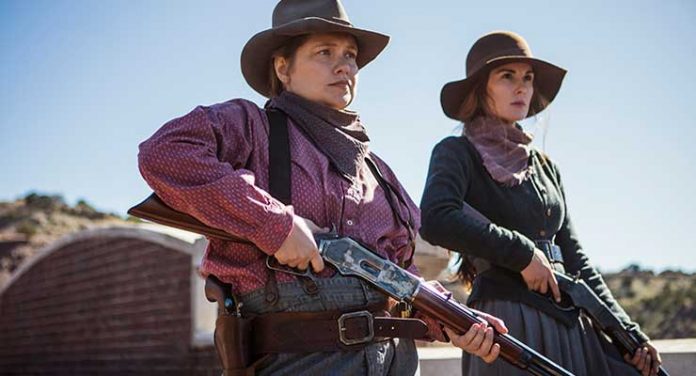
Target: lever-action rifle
x=353 y=259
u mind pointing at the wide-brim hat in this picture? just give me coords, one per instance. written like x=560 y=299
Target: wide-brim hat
x=495 y=49
x=292 y=18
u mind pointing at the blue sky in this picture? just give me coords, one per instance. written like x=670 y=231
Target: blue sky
x=83 y=82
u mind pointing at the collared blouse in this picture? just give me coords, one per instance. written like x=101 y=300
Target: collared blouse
x=213 y=164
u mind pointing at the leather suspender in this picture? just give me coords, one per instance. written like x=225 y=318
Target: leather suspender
x=279 y=186
x=279 y=156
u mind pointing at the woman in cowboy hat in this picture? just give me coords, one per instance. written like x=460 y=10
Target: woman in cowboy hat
x=214 y=163
x=492 y=170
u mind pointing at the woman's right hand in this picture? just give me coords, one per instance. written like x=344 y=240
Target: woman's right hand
x=299 y=249
x=538 y=276
x=646 y=359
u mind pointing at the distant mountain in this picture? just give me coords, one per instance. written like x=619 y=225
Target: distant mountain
x=663 y=304
x=34 y=221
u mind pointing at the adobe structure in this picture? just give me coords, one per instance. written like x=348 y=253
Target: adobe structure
x=120 y=300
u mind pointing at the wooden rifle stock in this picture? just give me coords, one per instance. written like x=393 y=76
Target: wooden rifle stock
x=155 y=210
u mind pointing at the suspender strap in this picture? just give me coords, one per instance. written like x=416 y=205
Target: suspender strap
x=279 y=186
x=278 y=178
x=279 y=156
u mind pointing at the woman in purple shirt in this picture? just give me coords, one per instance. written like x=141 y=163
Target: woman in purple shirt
x=213 y=164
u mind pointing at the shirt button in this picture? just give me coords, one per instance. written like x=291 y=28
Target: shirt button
x=349 y=222
x=542 y=233
x=548 y=212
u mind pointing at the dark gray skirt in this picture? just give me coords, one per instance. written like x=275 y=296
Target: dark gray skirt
x=577 y=349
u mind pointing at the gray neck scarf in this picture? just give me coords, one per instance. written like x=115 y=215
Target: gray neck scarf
x=339 y=134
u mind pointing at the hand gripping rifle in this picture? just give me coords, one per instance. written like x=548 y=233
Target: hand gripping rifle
x=583 y=297
x=625 y=340
x=353 y=259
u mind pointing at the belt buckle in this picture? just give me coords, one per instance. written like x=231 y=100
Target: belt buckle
x=555 y=252
x=352 y=315
x=551 y=251
x=403 y=310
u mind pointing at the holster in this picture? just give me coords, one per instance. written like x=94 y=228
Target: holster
x=233 y=344
x=243 y=344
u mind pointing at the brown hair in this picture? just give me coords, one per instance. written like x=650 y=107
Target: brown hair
x=475 y=103
x=538 y=102
x=466 y=271
x=286 y=51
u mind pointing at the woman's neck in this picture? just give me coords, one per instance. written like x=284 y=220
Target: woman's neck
x=317 y=102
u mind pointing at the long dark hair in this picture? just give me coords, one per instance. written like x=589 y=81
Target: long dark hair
x=475 y=104
x=466 y=271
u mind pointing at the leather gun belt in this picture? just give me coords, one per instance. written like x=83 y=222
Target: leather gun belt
x=329 y=330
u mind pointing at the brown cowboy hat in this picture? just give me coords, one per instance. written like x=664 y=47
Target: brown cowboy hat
x=495 y=49
x=297 y=17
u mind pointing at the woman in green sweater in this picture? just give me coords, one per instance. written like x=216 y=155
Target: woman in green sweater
x=493 y=169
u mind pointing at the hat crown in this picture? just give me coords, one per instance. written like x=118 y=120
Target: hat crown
x=494 y=45
x=292 y=10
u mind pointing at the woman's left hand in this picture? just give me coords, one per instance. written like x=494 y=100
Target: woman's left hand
x=646 y=359
x=478 y=340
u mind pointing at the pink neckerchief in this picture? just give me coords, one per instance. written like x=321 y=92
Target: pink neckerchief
x=504 y=149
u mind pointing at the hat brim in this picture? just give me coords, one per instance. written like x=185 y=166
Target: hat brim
x=256 y=55
x=547 y=81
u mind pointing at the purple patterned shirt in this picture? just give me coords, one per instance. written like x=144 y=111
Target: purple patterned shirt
x=213 y=164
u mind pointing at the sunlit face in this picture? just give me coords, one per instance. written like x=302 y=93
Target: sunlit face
x=323 y=70
x=510 y=91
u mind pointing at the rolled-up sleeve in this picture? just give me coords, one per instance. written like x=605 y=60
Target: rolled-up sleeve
x=196 y=164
